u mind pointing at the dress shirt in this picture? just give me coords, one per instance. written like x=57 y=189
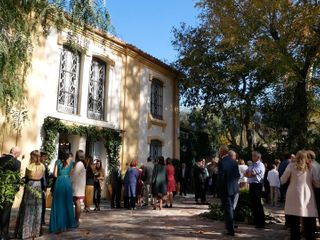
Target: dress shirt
x=259 y=169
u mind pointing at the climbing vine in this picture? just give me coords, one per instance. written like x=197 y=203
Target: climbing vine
x=111 y=137
x=23 y=23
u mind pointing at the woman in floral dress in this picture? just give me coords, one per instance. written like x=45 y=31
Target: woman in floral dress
x=29 y=216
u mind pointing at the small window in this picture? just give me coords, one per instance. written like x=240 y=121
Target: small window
x=155 y=149
x=96 y=97
x=69 y=78
x=157 y=99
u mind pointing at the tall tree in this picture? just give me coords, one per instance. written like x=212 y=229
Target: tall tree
x=224 y=77
x=250 y=46
x=203 y=133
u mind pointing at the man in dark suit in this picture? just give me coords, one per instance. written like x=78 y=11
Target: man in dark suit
x=44 y=185
x=8 y=163
x=184 y=179
x=116 y=184
x=200 y=178
x=228 y=177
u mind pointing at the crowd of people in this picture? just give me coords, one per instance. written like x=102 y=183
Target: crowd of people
x=79 y=180
x=153 y=184
x=294 y=181
x=75 y=180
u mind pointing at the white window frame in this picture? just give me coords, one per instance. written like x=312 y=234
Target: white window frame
x=93 y=92
x=69 y=81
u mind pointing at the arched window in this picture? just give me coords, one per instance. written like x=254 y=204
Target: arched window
x=155 y=149
x=157 y=99
x=69 y=78
x=97 y=82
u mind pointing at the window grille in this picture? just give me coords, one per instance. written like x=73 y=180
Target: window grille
x=96 y=89
x=155 y=149
x=157 y=99
x=69 y=81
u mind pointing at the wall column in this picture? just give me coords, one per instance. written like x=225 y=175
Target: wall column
x=176 y=121
x=77 y=142
x=84 y=84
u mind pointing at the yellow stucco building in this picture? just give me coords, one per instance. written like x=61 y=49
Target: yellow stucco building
x=101 y=81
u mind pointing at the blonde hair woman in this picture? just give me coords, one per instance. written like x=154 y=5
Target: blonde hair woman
x=29 y=218
x=300 y=199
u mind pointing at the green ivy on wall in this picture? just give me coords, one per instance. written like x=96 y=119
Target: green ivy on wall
x=111 y=137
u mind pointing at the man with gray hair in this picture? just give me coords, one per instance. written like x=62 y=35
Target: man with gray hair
x=233 y=155
x=8 y=163
x=255 y=175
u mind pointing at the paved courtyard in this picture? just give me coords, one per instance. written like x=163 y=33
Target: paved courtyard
x=181 y=222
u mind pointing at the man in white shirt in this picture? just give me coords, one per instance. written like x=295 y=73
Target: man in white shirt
x=255 y=175
x=273 y=178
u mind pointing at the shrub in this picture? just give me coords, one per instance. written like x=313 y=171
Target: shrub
x=243 y=211
x=215 y=212
x=10 y=181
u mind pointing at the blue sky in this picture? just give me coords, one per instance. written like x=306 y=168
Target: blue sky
x=148 y=24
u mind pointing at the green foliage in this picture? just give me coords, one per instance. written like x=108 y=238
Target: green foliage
x=22 y=22
x=10 y=181
x=215 y=212
x=268 y=155
x=243 y=211
x=111 y=137
x=112 y=145
x=203 y=134
x=242 y=55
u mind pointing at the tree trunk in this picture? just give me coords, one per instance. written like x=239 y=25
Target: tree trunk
x=299 y=118
x=248 y=132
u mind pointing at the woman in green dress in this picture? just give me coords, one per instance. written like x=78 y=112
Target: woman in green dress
x=62 y=213
x=159 y=182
